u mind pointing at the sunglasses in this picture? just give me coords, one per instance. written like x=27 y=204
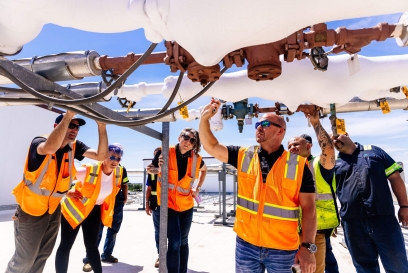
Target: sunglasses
x=187 y=137
x=114 y=158
x=73 y=126
x=266 y=123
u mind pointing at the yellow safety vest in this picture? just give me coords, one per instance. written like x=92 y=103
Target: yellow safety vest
x=326 y=210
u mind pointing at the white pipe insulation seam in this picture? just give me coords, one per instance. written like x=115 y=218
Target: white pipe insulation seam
x=207 y=29
x=299 y=83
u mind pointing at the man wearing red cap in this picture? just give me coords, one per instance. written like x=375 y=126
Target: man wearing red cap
x=48 y=174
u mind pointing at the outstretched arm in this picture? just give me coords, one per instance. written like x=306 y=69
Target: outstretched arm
x=55 y=139
x=207 y=138
x=327 y=158
x=102 y=152
x=398 y=187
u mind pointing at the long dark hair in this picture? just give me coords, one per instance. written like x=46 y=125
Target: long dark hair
x=197 y=145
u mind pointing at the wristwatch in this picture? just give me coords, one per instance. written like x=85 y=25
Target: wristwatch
x=311 y=247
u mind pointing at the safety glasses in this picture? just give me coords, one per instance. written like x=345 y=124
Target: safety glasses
x=187 y=138
x=266 y=123
x=73 y=126
x=114 y=158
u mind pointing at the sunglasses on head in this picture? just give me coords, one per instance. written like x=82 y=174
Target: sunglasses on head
x=266 y=123
x=192 y=140
x=73 y=126
x=114 y=158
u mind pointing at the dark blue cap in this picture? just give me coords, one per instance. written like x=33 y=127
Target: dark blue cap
x=307 y=137
x=80 y=121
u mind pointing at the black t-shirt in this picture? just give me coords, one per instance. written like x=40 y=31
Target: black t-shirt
x=35 y=160
x=267 y=161
x=326 y=174
x=182 y=162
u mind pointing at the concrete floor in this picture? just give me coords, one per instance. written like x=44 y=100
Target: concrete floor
x=211 y=246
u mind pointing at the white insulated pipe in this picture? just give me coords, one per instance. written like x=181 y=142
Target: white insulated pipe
x=207 y=29
x=363 y=106
x=299 y=83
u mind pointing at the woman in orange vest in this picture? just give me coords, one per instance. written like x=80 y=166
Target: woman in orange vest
x=185 y=166
x=88 y=204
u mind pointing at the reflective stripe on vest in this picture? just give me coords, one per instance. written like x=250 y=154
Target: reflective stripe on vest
x=76 y=215
x=180 y=189
x=250 y=206
x=35 y=187
x=247 y=160
x=270 y=210
x=279 y=212
x=153 y=193
x=291 y=168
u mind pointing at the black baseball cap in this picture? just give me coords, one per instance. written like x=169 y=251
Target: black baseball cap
x=307 y=137
x=80 y=121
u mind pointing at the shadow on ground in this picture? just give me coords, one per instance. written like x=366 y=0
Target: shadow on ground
x=121 y=267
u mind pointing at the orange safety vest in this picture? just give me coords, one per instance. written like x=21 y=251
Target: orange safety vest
x=179 y=192
x=41 y=190
x=267 y=213
x=76 y=211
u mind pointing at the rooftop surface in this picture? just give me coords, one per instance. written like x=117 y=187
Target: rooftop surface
x=212 y=246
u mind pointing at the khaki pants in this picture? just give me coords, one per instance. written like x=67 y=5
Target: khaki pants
x=320 y=255
x=34 y=237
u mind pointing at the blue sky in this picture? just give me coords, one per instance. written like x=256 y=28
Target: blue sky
x=387 y=131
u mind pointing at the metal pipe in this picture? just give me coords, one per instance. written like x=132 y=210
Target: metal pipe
x=86 y=89
x=368 y=106
x=224 y=195
x=144 y=188
x=219 y=192
x=145 y=113
x=61 y=67
x=163 y=198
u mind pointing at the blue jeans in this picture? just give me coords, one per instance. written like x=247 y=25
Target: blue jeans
x=156 y=223
x=178 y=228
x=331 y=262
x=368 y=238
x=254 y=259
x=111 y=233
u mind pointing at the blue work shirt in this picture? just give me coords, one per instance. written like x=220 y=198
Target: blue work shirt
x=362 y=185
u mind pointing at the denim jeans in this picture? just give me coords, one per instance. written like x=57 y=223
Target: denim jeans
x=254 y=259
x=156 y=223
x=331 y=262
x=178 y=228
x=111 y=233
x=368 y=238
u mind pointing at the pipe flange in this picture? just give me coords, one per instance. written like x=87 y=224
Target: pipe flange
x=264 y=72
x=203 y=74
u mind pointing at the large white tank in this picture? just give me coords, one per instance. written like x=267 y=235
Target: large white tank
x=18 y=126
